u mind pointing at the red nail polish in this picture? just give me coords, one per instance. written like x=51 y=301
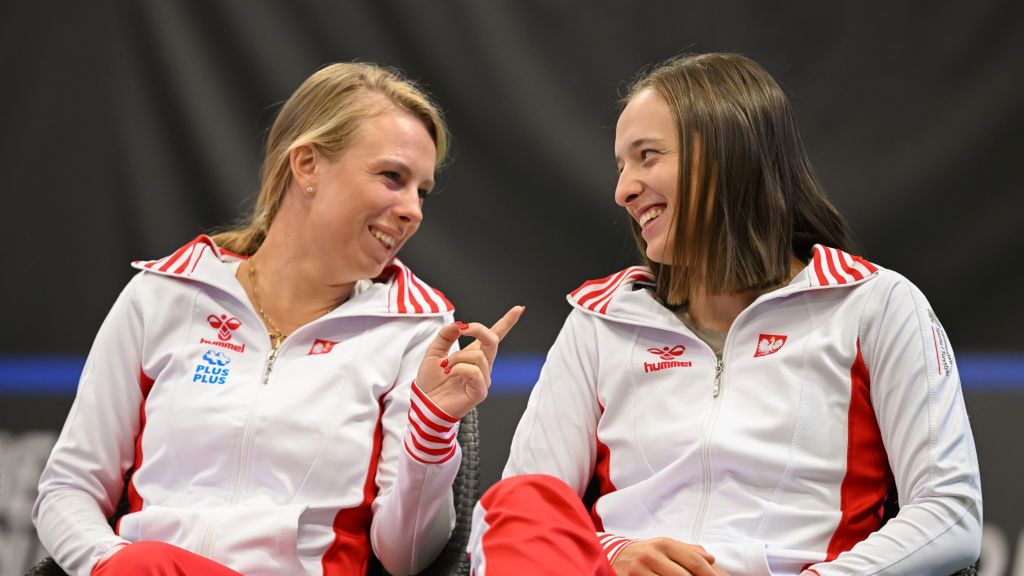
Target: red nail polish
x=462 y=325
x=444 y=363
x=448 y=370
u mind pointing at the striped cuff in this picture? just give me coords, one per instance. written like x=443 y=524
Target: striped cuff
x=431 y=436
x=612 y=544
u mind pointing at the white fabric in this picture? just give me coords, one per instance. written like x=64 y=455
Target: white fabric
x=249 y=474
x=755 y=474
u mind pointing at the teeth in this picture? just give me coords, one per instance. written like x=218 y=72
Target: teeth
x=387 y=241
x=650 y=215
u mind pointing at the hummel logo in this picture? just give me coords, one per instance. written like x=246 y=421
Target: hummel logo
x=225 y=323
x=769 y=344
x=668 y=353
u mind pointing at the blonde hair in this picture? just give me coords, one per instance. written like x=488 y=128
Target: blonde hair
x=748 y=197
x=324 y=112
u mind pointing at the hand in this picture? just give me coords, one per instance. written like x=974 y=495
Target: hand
x=458 y=382
x=665 y=557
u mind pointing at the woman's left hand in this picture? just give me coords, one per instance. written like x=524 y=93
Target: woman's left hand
x=459 y=381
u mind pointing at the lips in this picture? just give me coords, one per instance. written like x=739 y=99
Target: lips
x=387 y=240
x=649 y=214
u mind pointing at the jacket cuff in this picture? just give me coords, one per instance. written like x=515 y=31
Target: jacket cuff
x=612 y=544
x=431 y=435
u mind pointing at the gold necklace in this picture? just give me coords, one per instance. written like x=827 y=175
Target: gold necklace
x=276 y=335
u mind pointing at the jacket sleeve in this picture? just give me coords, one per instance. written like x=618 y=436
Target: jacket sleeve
x=414 y=512
x=916 y=395
x=557 y=434
x=84 y=477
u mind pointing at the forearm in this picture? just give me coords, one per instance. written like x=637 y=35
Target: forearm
x=72 y=527
x=933 y=536
x=417 y=515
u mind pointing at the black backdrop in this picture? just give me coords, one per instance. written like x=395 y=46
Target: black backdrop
x=129 y=126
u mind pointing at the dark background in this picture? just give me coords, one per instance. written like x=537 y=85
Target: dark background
x=128 y=127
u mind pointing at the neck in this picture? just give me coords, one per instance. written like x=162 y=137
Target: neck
x=289 y=285
x=717 y=312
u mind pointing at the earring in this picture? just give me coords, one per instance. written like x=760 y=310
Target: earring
x=309 y=190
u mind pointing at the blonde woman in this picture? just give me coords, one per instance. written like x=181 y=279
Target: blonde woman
x=281 y=398
x=742 y=403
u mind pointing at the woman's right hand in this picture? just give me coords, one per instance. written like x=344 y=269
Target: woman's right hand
x=458 y=381
x=665 y=557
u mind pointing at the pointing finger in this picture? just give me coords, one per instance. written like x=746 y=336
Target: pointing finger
x=503 y=326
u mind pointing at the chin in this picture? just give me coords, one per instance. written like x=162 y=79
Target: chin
x=657 y=254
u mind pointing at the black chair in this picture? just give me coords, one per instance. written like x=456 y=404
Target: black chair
x=451 y=562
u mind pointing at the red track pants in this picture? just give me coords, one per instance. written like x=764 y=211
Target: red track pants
x=159 y=559
x=534 y=524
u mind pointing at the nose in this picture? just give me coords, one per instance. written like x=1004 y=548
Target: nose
x=627 y=189
x=410 y=207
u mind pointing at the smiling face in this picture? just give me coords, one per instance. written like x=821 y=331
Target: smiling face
x=647 y=155
x=368 y=202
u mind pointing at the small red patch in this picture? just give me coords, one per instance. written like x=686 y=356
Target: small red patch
x=321 y=347
x=769 y=344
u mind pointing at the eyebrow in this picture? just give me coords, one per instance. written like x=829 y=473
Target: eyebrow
x=403 y=167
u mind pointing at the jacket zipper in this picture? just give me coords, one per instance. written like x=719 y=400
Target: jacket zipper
x=243 y=460
x=271 y=358
x=705 y=449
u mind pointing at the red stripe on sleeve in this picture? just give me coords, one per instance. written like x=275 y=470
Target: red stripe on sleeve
x=424 y=435
x=429 y=404
x=426 y=421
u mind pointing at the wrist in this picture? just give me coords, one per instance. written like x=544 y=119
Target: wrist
x=431 y=436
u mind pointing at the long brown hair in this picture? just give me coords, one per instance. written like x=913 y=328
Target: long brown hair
x=324 y=112
x=743 y=167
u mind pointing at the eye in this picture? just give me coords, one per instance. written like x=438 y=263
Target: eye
x=392 y=175
x=646 y=153
x=423 y=192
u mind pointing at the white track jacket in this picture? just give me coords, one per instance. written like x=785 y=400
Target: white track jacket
x=286 y=463
x=776 y=459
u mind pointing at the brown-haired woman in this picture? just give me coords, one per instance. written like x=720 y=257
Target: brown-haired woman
x=744 y=402
x=255 y=390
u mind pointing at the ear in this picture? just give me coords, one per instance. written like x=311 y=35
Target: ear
x=303 y=162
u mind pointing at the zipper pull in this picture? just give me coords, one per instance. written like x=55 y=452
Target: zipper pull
x=270 y=365
x=719 y=366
